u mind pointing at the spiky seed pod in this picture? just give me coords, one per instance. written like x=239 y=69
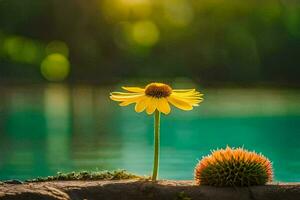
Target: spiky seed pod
x=233 y=167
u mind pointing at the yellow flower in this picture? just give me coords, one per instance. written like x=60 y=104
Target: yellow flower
x=157 y=96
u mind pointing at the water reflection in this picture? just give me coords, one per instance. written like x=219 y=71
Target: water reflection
x=59 y=128
x=57 y=111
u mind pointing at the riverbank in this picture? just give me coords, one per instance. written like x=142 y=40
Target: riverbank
x=143 y=189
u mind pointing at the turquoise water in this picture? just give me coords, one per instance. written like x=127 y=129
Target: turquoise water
x=57 y=128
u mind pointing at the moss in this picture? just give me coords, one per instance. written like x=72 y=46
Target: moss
x=89 y=175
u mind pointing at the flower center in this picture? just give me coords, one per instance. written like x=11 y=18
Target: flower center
x=158 y=90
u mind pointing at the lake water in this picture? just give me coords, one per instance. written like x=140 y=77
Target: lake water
x=59 y=128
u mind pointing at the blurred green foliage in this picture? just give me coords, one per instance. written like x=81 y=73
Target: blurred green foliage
x=211 y=41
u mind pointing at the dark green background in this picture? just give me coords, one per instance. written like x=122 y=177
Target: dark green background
x=212 y=42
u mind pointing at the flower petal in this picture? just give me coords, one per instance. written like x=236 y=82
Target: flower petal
x=124 y=98
x=184 y=90
x=130 y=101
x=134 y=89
x=163 y=106
x=152 y=104
x=193 y=98
x=125 y=93
x=188 y=94
x=179 y=103
x=141 y=105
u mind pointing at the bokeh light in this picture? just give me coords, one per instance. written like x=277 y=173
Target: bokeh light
x=55 y=67
x=145 y=33
x=23 y=50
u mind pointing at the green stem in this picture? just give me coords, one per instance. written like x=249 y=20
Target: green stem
x=156 y=144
